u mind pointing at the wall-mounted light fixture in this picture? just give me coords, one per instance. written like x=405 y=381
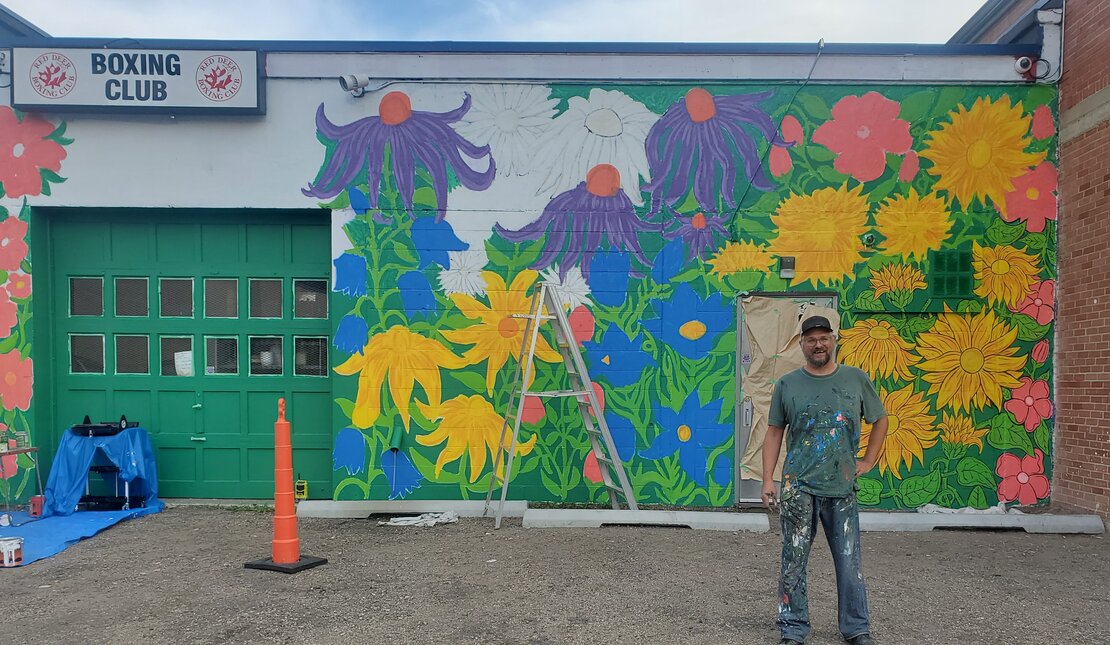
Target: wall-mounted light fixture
x=786 y=267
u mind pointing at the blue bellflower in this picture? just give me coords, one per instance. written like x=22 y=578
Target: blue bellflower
x=352 y=334
x=618 y=359
x=693 y=432
x=350 y=451
x=416 y=294
x=433 y=239
x=403 y=477
x=350 y=274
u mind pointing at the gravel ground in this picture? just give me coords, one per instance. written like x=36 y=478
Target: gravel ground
x=178 y=577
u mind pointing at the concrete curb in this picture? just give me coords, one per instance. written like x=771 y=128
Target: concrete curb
x=363 y=509
x=1039 y=523
x=535 y=518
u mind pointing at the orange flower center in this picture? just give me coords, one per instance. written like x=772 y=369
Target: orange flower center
x=979 y=154
x=700 y=105
x=698 y=221
x=603 y=180
x=692 y=330
x=891 y=424
x=10 y=378
x=1032 y=194
x=879 y=333
x=507 y=327
x=972 y=360
x=395 y=108
x=1029 y=401
x=684 y=433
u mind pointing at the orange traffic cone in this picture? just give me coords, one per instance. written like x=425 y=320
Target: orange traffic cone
x=286 y=552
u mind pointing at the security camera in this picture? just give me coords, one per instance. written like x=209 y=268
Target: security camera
x=869 y=240
x=354 y=84
x=1024 y=64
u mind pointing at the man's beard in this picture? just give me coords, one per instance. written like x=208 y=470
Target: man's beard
x=818 y=361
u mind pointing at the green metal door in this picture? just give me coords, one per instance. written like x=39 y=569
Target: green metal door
x=195 y=325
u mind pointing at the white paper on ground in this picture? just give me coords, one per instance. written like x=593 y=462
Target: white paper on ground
x=424 y=519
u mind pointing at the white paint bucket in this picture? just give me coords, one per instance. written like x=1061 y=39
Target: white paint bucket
x=11 y=551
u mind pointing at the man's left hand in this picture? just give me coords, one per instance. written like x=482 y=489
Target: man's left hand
x=862 y=467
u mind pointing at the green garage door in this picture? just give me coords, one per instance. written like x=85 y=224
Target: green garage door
x=195 y=326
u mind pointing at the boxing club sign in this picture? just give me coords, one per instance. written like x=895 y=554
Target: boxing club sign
x=136 y=80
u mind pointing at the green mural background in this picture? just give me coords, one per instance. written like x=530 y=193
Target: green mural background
x=929 y=211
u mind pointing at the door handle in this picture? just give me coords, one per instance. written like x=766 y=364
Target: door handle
x=747 y=412
x=197 y=406
x=198 y=438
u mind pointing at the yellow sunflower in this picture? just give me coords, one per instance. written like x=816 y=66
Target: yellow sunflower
x=498 y=334
x=468 y=424
x=735 y=257
x=981 y=151
x=875 y=347
x=909 y=430
x=409 y=358
x=822 y=231
x=898 y=280
x=968 y=359
x=958 y=430
x=1004 y=273
x=913 y=225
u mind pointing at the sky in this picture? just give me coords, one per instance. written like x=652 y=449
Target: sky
x=878 y=21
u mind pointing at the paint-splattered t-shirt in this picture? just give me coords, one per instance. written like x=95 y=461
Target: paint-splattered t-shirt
x=821 y=415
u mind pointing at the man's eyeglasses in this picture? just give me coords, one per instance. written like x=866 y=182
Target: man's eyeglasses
x=818 y=340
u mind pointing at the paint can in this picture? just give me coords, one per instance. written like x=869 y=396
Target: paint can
x=37 y=502
x=11 y=551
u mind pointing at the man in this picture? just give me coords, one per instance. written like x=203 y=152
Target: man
x=821 y=405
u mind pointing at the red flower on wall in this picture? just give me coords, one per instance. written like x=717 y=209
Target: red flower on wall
x=11 y=462
x=1030 y=403
x=911 y=163
x=19 y=285
x=863 y=129
x=13 y=248
x=1040 y=351
x=1043 y=125
x=16 y=379
x=1033 y=198
x=1022 y=478
x=7 y=314
x=792 y=133
x=24 y=151
x=1039 y=304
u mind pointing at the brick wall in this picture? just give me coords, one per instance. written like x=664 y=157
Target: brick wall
x=1086 y=35
x=1082 y=441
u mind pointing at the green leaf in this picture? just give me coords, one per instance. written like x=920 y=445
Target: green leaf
x=23 y=461
x=815 y=106
x=1035 y=241
x=1002 y=234
x=880 y=192
x=743 y=281
x=404 y=254
x=969 y=306
x=819 y=153
x=1006 y=434
x=915 y=106
x=347 y=406
x=1028 y=329
x=9 y=343
x=870 y=491
x=950 y=97
x=1042 y=438
x=473 y=381
x=867 y=301
x=921 y=489
x=948 y=498
x=831 y=175
x=977 y=499
x=973 y=472
x=424 y=196
x=916 y=325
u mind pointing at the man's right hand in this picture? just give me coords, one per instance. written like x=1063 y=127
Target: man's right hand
x=770 y=495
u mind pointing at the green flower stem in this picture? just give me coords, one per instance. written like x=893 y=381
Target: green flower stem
x=895 y=493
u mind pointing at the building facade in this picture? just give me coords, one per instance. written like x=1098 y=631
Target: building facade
x=360 y=248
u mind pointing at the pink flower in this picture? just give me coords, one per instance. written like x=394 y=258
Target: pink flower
x=25 y=151
x=780 y=161
x=1039 y=304
x=911 y=163
x=591 y=470
x=792 y=131
x=16 y=380
x=1040 y=351
x=1022 y=478
x=1033 y=198
x=582 y=323
x=1030 y=403
x=534 y=410
x=13 y=248
x=1043 y=124
x=8 y=318
x=863 y=129
x=11 y=462
x=19 y=285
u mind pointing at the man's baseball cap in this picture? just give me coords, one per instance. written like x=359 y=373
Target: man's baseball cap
x=816 y=322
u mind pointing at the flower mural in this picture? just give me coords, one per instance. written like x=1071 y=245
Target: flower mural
x=412 y=136
x=31 y=153
x=1023 y=478
x=886 y=216
x=13 y=245
x=699 y=134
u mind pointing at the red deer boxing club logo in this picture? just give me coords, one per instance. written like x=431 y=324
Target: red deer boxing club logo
x=53 y=75
x=219 y=78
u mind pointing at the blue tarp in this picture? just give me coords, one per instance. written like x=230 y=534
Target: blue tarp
x=129 y=450
x=49 y=536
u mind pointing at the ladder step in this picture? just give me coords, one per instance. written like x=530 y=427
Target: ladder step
x=557 y=393
x=534 y=317
x=604 y=460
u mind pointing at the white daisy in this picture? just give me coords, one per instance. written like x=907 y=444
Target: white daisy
x=608 y=127
x=464 y=275
x=511 y=202
x=511 y=119
x=573 y=290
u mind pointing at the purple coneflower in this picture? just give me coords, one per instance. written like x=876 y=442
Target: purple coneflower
x=700 y=233
x=412 y=136
x=696 y=136
x=577 y=221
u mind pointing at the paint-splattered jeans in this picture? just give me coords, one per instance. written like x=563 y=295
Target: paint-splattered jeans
x=840 y=518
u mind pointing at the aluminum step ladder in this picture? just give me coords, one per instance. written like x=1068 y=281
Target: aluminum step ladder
x=547 y=306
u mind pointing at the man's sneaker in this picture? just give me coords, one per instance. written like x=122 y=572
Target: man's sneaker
x=862 y=639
